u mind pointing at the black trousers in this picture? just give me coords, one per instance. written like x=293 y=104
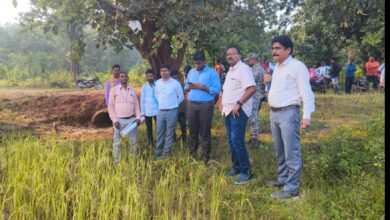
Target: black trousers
x=374 y=80
x=181 y=118
x=200 y=116
x=149 y=128
x=348 y=84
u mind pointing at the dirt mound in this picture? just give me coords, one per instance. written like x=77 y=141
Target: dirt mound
x=70 y=108
x=76 y=108
x=72 y=114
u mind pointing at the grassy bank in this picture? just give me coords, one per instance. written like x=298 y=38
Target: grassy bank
x=343 y=174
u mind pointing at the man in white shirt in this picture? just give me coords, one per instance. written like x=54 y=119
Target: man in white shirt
x=290 y=88
x=236 y=106
x=169 y=94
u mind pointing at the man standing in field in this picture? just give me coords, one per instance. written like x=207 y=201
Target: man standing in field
x=350 y=70
x=290 y=88
x=373 y=73
x=254 y=122
x=123 y=108
x=111 y=83
x=203 y=85
x=169 y=94
x=149 y=104
x=236 y=107
x=334 y=73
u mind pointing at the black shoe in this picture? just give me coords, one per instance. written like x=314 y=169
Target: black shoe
x=274 y=183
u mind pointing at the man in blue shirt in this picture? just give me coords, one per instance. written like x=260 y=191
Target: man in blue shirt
x=350 y=70
x=203 y=84
x=149 y=104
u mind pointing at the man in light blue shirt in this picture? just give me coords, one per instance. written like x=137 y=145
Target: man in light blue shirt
x=203 y=85
x=169 y=94
x=149 y=104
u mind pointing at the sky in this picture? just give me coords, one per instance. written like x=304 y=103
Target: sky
x=9 y=14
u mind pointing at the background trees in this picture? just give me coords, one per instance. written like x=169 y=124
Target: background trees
x=169 y=31
x=354 y=28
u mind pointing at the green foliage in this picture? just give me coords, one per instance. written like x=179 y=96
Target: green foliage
x=30 y=58
x=355 y=29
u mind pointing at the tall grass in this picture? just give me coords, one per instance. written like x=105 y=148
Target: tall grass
x=343 y=174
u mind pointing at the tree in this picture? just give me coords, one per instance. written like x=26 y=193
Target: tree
x=65 y=17
x=163 y=30
x=353 y=28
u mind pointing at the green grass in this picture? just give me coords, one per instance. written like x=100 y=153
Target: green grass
x=343 y=174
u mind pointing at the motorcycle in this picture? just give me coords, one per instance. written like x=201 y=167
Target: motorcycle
x=89 y=83
x=320 y=85
x=360 y=85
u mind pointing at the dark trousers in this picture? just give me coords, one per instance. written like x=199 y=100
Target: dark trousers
x=200 y=117
x=149 y=128
x=235 y=129
x=373 y=80
x=348 y=84
x=181 y=118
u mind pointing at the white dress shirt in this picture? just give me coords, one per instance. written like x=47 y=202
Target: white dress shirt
x=169 y=93
x=238 y=78
x=291 y=86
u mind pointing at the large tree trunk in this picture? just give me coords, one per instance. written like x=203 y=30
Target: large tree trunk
x=144 y=42
x=75 y=50
x=75 y=69
x=163 y=55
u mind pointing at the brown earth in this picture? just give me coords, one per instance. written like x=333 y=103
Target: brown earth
x=41 y=112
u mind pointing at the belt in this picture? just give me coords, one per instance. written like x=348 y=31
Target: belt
x=127 y=117
x=284 y=108
x=198 y=102
x=165 y=110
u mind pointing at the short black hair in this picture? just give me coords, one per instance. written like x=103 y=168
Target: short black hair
x=199 y=55
x=123 y=72
x=115 y=66
x=149 y=71
x=285 y=41
x=334 y=58
x=235 y=47
x=165 y=66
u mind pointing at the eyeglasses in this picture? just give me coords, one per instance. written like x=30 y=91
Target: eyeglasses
x=230 y=54
x=277 y=48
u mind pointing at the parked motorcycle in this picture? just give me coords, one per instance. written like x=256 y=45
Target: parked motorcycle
x=89 y=83
x=360 y=85
x=320 y=85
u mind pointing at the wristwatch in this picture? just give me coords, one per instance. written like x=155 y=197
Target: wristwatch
x=239 y=103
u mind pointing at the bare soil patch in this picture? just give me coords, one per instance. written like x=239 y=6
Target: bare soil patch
x=59 y=113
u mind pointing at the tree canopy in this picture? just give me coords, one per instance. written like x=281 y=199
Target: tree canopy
x=169 y=31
